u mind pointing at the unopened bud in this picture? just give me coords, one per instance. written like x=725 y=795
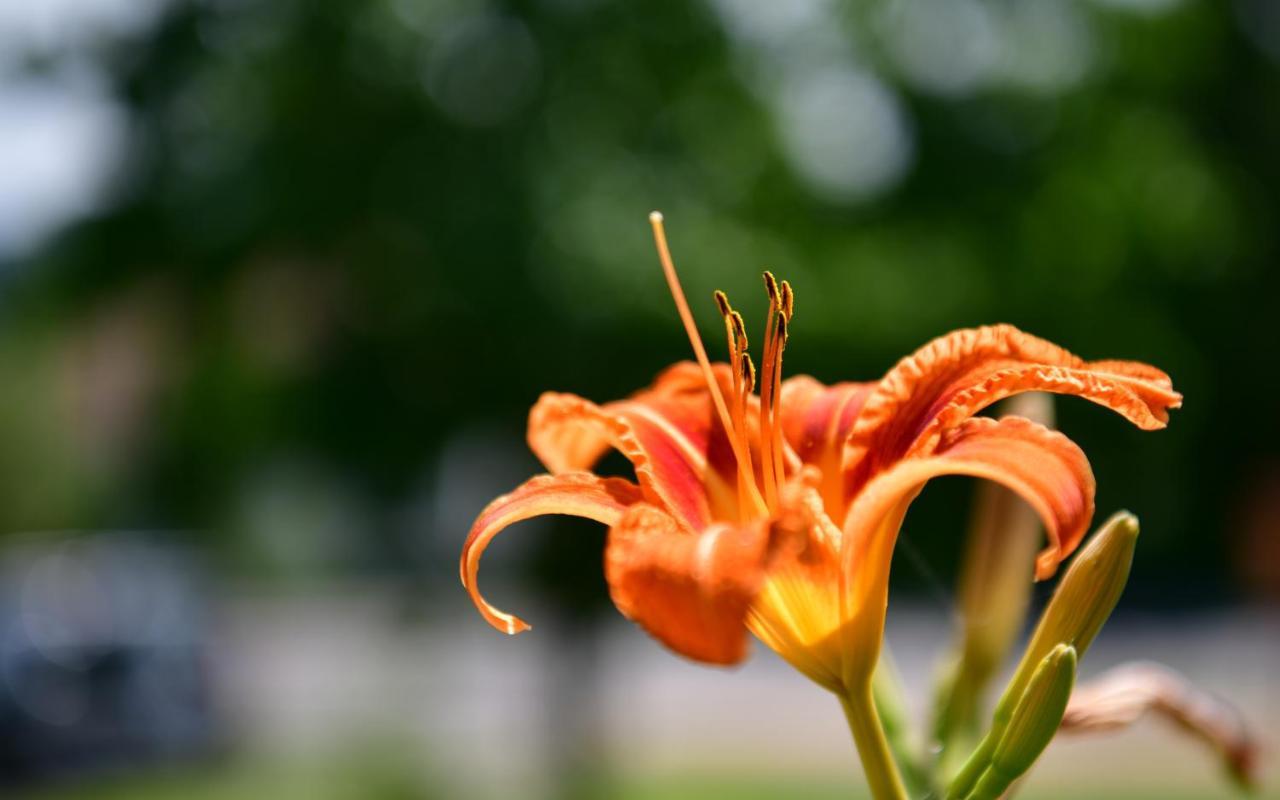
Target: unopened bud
x=1083 y=601
x=1037 y=716
x=1033 y=724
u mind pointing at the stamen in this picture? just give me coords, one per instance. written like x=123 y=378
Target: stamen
x=722 y=301
x=744 y=379
x=735 y=366
x=781 y=307
x=739 y=329
x=766 y=394
x=775 y=423
x=736 y=340
x=748 y=375
x=735 y=406
x=740 y=452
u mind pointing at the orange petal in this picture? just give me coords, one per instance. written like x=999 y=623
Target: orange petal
x=1144 y=403
x=691 y=591
x=1044 y=467
x=577 y=494
x=957 y=375
x=816 y=421
x=670 y=433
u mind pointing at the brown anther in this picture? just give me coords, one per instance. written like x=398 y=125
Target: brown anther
x=771 y=286
x=788 y=300
x=722 y=301
x=782 y=327
x=748 y=374
x=739 y=329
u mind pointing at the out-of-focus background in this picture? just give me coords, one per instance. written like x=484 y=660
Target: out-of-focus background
x=279 y=280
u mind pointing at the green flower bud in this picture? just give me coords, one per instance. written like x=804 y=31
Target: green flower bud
x=1032 y=726
x=1083 y=601
x=1039 y=712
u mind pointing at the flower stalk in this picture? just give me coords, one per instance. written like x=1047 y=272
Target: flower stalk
x=873 y=747
x=887 y=691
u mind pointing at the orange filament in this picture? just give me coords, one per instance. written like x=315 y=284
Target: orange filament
x=735 y=334
x=748 y=386
x=781 y=305
x=741 y=452
x=787 y=307
x=766 y=395
x=744 y=382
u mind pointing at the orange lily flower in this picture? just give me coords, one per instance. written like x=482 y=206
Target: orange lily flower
x=777 y=512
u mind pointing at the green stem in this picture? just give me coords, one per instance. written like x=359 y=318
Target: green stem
x=886 y=689
x=873 y=748
x=956 y=716
x=973 y=769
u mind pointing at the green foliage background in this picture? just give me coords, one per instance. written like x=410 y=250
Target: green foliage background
x=349 y=232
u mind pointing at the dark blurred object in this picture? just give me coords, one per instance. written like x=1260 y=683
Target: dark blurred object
x=1258 y=550
x=101 y=661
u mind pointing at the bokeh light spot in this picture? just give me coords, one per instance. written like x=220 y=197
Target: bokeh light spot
x=483 y=70
x=844 y=132
x=947 y=47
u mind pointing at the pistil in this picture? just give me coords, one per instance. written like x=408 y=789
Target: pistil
x=741 y=452
x=733 y=412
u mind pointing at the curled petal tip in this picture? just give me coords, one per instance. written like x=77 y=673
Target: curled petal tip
x=507 y=623
x=576 y=494
x=1047 y=564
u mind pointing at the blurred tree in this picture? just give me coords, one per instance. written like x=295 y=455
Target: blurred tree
x=348 y=233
